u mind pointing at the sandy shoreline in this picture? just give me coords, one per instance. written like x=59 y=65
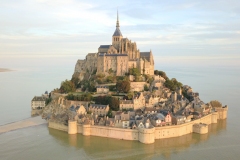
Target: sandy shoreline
x=33 y=121
x=5 y=70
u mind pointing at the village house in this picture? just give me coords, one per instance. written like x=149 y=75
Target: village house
x=62 y=102
x=133 y=125
x=189 y=118
x=196 y=115
x=148 y=123
x=125 y=123
x=81 y=110
x=178 y=119
x=126 y=118
x=38 y=102
x=158 y=120
x=140 y=122
x=110 y=122
x=139 y=101
x=102 y=89
x=168 y=117
x=152 y=101
x=126 y=104
x=98 y=109
x=150 y=110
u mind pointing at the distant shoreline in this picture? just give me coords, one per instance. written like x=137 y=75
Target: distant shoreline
x=5 y=70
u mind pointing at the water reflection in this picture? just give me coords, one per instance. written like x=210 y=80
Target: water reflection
x=106 y=148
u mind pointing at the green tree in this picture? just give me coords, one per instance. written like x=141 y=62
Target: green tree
x=114 y=103
x=104 y=100
x=123 y=86
x=146 y=88
x=134 y=71
x=100 y=75
x=67 y=86
x=130 y=95
x=48 y=100
x=109 y=114
x=112 y=88
x=75 y=80
x=110 y=71
x=83 y=97
x=216 y=104
x=161 y=73
x=109 y=79
x=172 y=84
x=138 y=79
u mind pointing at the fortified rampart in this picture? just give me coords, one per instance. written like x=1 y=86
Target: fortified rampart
x=144 y=135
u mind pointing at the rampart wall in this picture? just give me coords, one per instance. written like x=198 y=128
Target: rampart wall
x=59 y=126
x=144 y=135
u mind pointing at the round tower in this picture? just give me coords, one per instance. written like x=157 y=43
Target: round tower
x=72 y=127
x=146 y=135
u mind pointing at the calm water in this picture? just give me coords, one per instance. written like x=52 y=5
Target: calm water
x=35 y=75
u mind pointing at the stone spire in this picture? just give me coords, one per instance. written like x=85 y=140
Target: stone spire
x=117 y=24
x=117 y=31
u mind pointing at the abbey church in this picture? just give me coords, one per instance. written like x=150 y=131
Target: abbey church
x=118 y=58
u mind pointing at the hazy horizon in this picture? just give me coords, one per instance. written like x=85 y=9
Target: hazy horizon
x=175 y=31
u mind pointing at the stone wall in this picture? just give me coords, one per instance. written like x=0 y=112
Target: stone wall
x=144 y=135
x=58 y=126
x=118 y=63
x=222 y=112
x=200 y=128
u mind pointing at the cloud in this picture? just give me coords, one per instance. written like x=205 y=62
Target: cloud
x=169 y=28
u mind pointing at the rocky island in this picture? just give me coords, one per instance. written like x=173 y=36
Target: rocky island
x=117 y=93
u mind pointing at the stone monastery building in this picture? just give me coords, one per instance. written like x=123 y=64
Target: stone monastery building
x=117 y=58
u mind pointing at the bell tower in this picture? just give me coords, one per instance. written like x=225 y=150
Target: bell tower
x=117 y=36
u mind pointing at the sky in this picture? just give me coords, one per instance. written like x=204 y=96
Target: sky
x=175 y=30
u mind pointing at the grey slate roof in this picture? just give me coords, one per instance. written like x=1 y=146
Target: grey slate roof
x=104 y=46
x=145 y=55
x=102 y=87
x=103 y=54
x=117 y=32
x=150 y=109
x=98 y=106
x=126 y=102
x=164 y=112
x=39 y=98
x=159 y=116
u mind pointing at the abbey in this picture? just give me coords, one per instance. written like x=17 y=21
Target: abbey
x=116 y=58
